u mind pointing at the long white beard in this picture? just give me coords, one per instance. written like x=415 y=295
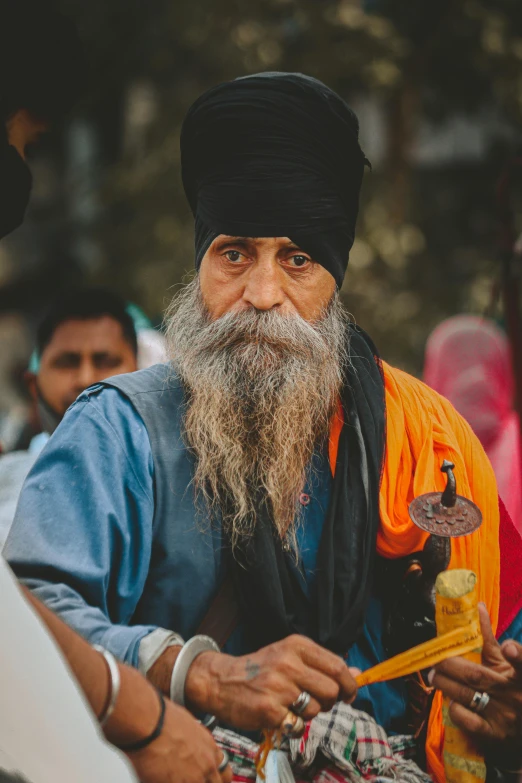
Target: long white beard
x=262 y=388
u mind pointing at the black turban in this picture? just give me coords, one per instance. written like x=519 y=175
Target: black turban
x=274 y=154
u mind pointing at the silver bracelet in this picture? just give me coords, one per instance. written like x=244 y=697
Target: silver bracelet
x=115 y=682
x=187 y=656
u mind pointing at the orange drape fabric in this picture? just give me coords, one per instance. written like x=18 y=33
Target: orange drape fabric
x=423 y=429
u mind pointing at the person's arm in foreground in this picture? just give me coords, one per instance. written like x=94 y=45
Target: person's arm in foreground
x=82 y=534
x=184 y=752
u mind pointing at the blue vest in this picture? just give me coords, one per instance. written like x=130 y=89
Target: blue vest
x=178 y=546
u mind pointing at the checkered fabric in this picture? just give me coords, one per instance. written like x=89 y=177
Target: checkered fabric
x=242 y=753
x=344 y=745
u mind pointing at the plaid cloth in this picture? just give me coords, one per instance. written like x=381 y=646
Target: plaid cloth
x=344 y=745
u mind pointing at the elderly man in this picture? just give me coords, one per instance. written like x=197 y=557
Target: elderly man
x=257 y=487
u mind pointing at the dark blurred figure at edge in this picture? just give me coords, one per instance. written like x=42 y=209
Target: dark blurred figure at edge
x=46 y=731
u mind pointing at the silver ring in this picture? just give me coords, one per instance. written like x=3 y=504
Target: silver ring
x=301 y=703
x=479 y=702
x=224 y=763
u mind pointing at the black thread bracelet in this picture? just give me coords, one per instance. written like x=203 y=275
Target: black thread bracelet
x=144 y=743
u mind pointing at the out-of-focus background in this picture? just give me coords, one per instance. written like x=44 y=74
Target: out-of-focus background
x=437 y=86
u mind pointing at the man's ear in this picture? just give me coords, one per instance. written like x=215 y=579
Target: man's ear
x=30 y=380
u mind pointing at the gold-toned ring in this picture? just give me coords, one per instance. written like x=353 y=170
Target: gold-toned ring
x=292 y=725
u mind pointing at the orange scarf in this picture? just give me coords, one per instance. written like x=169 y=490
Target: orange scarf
x=423 y=429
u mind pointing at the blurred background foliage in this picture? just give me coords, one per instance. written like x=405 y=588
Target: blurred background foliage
x=437 y=86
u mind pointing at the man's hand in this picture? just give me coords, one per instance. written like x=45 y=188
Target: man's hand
x=500 y=676
x=185 y=752
x=256 y=691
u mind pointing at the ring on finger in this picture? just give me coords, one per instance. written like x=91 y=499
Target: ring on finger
x=292 y=725
x=301 y=703
x=224 y=762
x=479 y=702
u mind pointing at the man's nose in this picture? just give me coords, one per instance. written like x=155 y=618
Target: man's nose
x=86 y=376
x=264 y=287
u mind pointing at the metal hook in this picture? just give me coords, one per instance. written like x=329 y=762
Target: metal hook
x=449 y=496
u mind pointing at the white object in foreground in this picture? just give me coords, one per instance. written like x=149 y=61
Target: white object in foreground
x=48 y=733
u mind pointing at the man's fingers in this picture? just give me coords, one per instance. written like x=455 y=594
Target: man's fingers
x=474 y=675
x=226 y=775
x=325 y=690
x=316 y=656
x=313 y=708
x=512 y=651
x=491 y=723
x=470 y=722
x=485 y=625
x=213 y=777
x=333 y=666
x=491 y=653
x=455 y=691
x=349 y=686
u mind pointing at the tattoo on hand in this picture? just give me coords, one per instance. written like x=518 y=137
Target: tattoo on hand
x=252 y=669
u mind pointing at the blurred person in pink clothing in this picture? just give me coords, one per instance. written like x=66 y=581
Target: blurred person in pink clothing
x=468 y=361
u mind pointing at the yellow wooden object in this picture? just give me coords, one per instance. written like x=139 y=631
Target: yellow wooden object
x=456 y=605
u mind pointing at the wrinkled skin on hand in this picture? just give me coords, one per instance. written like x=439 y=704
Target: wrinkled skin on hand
x=255 y=692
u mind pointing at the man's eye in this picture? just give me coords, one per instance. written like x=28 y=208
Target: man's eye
x=66 y=362
x=107 y=361
x=234 y=256
x=298 y=261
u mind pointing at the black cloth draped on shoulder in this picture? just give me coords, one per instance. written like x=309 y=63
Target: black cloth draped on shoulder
x=271 y=599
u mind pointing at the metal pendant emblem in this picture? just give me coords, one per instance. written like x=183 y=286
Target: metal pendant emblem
x=446 y=513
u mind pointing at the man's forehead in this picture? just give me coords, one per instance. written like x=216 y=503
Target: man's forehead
x=85 y=334
x=254 y=240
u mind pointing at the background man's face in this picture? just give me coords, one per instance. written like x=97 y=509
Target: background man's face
x=268 y=273
x=81 y=353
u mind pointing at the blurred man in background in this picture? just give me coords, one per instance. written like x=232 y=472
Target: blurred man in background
x=87 y=335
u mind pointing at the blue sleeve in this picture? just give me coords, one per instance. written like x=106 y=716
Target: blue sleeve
x=82 y=534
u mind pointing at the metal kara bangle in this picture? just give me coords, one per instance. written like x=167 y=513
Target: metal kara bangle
x=188 y=654
x=115 y=682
